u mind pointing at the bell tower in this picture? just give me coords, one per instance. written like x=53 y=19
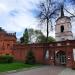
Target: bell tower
x=63 y=28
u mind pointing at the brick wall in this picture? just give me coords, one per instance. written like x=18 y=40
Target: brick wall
x=9 y=46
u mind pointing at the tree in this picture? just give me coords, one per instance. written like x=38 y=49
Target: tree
x=34 y=36
x=30 y=58
x=22 y=40
x=25 y=38
x=51 y=39
x=42 y=39
x=47 y=11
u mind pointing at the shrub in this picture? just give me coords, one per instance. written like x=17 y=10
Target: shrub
x=30 y=59
x=6 y=58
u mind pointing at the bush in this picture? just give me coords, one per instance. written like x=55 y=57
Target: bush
x=30 y=59
x=6 y=58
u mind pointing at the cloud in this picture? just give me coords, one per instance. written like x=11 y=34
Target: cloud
x=15 y=15
x=3 y=8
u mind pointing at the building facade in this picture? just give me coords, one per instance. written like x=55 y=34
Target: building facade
x=7 y=40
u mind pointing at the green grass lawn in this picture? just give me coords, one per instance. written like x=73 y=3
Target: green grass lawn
x=14 y=66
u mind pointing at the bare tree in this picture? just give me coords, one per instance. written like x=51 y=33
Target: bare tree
x=47 y=11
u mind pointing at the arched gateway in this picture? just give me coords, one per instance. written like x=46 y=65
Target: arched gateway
x=60 y=58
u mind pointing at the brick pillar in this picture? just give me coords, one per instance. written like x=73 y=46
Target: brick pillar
x=69 y=57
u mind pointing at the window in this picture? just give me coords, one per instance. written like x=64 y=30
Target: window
x=62 y=28
x=74 y=54
x=8 y=45
x=47 y=54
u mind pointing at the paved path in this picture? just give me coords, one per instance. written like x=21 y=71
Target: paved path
x=46 y=70
x=67 y=71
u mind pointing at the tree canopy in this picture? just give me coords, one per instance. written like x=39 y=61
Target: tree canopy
x=34 y=36
x=25 y=38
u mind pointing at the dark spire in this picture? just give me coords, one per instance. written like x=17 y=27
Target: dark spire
x=62 y=11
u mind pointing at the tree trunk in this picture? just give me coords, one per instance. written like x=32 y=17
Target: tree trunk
x=47 y=30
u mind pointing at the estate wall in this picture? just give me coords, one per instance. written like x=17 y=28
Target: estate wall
x=20 y=51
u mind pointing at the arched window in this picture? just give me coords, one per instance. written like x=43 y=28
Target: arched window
x=62 y=28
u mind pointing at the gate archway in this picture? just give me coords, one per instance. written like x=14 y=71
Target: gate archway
x=60 y=58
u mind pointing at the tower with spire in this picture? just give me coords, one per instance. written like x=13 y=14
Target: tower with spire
x=63 y=27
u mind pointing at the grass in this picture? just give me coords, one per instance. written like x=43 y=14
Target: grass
x=14 y=66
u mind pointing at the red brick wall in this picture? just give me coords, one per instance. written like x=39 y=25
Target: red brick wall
x=38 y=53
x=20 y=51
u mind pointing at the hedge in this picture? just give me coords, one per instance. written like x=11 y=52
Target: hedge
x=6 y=58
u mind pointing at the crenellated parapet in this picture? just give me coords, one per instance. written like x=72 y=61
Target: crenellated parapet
x=11 y=34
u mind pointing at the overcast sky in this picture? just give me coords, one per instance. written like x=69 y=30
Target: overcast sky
x=16 y=15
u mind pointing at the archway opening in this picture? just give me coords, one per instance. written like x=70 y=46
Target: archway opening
x=61 y=58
